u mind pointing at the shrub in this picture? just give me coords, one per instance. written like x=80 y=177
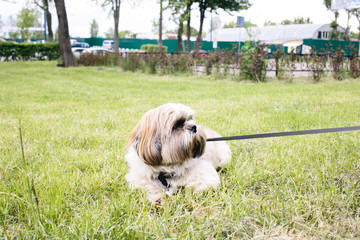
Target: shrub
x=286 y=65
x=316 y=64
x=152 y=48
x=151 y=63
x=157 y=63
x=354 y=66
x=181 y=63
x=164 y=63
x=208 y=62
x=91 y=59
x=337 y=64
x=278 y=56
x=254 y=62
x=132 y=62
x=29 y=51
x=228 y=60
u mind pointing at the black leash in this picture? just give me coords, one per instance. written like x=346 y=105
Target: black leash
x=283 y=134
x=164 y=176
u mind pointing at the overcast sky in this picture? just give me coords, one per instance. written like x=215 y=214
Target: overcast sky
x=138 y=17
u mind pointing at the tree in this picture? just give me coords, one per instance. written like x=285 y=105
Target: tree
x=231 y=24
x=216 y=23
x=125 y=34
x=109 y=33
x=26 y=20
x=269 y=23
x=301 y=20
x=12 y=23
x=229 y=5
x=14 y=35
x=346 y=36
x=334 y=34
x=94 y=29
x=1 y=23
x=44 y=5
x=248 y=24
x=188 y=26
x=64 y=37
x=115 y=10
x=160 y=27
x=180 y=14
x=193 y=31
x=356 y=13
x=298 y=20
x=57 y=34
x=286 y=22
x=156 y=26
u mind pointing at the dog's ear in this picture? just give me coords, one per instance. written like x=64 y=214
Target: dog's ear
x=146 y=140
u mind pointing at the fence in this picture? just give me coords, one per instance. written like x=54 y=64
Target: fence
x=170 y=43
x=323 y=46
x=320 y=46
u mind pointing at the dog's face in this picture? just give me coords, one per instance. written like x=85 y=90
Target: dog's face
x=168 y=135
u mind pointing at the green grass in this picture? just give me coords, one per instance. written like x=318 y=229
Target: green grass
x=74 y=124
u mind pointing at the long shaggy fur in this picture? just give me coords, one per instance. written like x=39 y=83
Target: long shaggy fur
x=167 y=140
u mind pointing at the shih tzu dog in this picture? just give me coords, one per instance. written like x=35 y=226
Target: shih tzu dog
x=168 y=150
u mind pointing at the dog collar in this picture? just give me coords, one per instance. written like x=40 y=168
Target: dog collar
x=163 y=176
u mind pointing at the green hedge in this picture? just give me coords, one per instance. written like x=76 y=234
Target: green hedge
x=28 y=51
x=152 y=48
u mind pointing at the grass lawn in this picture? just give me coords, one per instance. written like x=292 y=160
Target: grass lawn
x=74 y=124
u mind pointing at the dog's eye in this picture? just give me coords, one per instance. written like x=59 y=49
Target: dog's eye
x=179 y=124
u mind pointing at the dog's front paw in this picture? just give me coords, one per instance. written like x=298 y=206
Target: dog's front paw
x=160 y=200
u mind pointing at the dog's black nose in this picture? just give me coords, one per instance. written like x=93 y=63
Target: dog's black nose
x=193 y=128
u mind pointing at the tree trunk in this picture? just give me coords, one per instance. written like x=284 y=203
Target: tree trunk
x=179 y=36
x=202 y=7
x=335 y=29
x=160 y=27
x=188 y=27
x=357 y=15
x=64 y=37
x=347 y=30
x=50 y=31
x=48 y=20
x=116 y=10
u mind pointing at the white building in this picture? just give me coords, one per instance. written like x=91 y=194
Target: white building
x=280 y=34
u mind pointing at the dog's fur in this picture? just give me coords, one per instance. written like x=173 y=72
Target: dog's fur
x=167 y=141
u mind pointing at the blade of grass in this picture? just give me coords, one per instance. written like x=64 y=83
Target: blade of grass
x=31 y=188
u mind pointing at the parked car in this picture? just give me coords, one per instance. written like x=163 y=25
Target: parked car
x=95 y=50
x=108 y=44
x=201 y=53
x=80 y=44
x=77 y=51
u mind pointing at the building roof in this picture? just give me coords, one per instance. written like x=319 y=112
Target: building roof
x=269 y=34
